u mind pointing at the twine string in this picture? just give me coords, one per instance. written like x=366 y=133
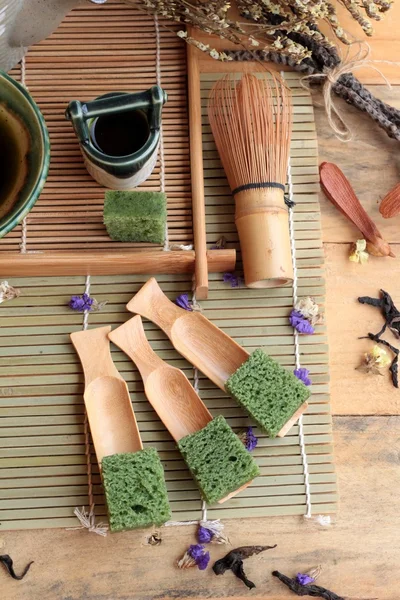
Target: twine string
x=347 y=64
x=87 y=519
x=297 y=344
x=196 y=384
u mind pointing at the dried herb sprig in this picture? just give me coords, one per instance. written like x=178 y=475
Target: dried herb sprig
x=392 y=321
x=233 y=561
x=306 y=590
x=8 y=564
x=286 y=32
x=287 y=27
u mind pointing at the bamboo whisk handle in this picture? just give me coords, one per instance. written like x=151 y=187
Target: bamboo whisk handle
x=262 y=221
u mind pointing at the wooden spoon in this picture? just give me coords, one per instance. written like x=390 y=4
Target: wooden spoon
x=108 y=404
x=167 y=388
x=201 y=342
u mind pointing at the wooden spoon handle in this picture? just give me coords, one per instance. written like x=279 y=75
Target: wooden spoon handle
x=93 y=348
x=152 y=303
x=131 y=338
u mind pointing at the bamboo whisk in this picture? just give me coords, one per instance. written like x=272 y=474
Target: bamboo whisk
x=251 y=120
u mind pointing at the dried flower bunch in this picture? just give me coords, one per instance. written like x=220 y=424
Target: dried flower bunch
x=269 y=24
x=285 y=32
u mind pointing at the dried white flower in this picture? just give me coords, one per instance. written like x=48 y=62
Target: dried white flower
x=8 y=292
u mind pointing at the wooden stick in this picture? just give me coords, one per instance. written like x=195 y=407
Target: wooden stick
x=196 y=167
x=111 y=263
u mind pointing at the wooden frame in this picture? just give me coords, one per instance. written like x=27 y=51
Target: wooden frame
x=116 y=260
x=112 y=263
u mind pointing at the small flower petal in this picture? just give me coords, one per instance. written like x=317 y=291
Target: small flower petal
x=183 y=302
x=81 y=303
x=359 y=252
x=301 y=324
x=203 y=561
x=251 y=440
x=195 y=551
x=304 y=579
x=204 y=535
x=234 y=280
x=303 y=375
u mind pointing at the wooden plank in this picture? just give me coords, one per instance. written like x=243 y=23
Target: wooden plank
x=356 y=393
x=111 y=263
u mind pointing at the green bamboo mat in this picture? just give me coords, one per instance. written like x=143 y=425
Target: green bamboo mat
x=42 y=454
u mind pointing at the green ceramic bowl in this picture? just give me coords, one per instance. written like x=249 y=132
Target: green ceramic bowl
x=16 y=100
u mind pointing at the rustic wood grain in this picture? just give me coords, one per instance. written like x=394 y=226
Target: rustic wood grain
x=353 y=392
x=370 y=162
x=360 y=555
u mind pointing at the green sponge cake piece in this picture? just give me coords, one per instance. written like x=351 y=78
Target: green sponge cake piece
x=268 y=392
x=135 y=216
x=135 y=490
x=217 y=459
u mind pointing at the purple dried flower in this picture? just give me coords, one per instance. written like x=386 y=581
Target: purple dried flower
x=251 y=440
x=81 y=303
x=183 y=302
x=204 y=535
x=203 y=561
x=304 y=579
x=234 y=280
x=196 y=551
x=303 y=375
x=219 y=244
x=301 y=324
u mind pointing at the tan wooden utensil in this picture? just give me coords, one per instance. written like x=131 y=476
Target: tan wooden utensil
x=108 y=404
x=201 y=342
x=167 y=388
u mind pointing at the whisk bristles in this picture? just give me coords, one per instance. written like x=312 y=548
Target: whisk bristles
x=251 y=120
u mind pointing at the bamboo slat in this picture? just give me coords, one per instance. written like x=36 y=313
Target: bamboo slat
x=42 y=462
x=78 y=62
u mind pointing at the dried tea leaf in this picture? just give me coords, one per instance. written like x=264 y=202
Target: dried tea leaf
x=315 y=591
x=233 y=561
x=392 y=320
x=8 y=564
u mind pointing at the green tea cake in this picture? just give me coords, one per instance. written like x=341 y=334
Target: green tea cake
x=269 y=393
x=135 y=216
x=135 y=490
x=217 y=459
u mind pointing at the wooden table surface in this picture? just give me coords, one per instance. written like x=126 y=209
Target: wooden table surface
x=360 y=551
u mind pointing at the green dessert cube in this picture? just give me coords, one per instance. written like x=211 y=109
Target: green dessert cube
x=135 y=490
x=135 y=216
x=269 y=393
x=217 y=459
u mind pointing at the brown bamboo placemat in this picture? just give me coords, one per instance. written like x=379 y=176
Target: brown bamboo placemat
x=98 y=49
x=43 y=474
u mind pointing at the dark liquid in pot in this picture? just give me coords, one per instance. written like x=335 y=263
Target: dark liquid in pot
x=14 y=145
x=123 y=134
